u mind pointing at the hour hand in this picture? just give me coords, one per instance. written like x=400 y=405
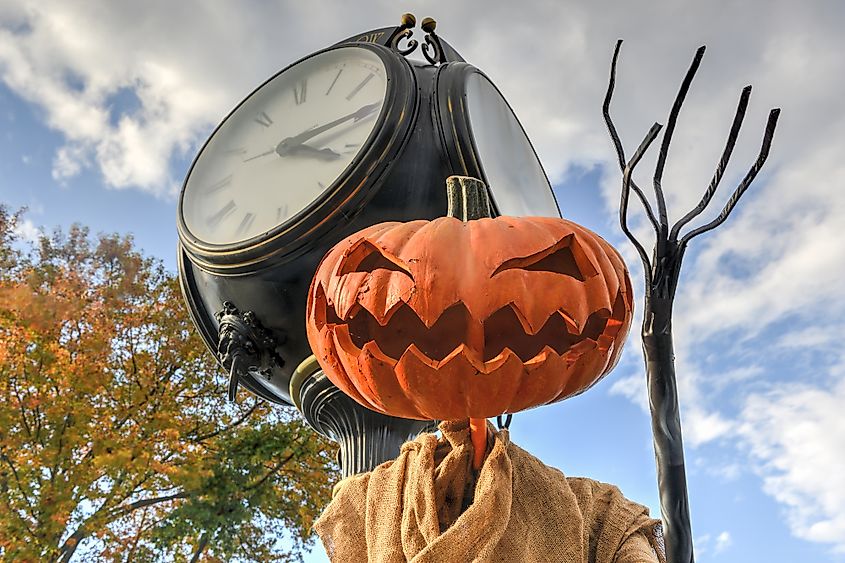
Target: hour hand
x=289 y=144
x=308 y=150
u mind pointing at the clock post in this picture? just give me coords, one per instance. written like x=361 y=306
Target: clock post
x=353 y=135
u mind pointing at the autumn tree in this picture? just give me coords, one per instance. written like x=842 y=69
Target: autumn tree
x=116 y=439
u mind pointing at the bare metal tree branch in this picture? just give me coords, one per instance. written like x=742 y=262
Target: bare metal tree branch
x=667 y=139
x=768 y=136
x=620 y=152
x=626 y=189
x=720 y=168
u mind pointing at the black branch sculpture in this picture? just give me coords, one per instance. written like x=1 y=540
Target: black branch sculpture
x=662 y=271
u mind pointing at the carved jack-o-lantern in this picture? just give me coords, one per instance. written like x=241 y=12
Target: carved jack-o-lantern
x=451 y=319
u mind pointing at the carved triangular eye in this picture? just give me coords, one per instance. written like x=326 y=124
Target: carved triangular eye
x=566 y=258
x=367 y=257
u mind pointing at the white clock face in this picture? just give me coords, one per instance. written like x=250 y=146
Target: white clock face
x=516 y=179
x=284 y=146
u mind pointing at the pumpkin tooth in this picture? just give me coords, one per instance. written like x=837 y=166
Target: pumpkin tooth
x=579 y=350
x=343 y=340
x=343 y=293
x=502 y=357
x=520 y=316
x=469 y=355
x=460 y=390
x=351 y=312
x=350 y=363
x=331 y=362
x=374 y=350
x=542 y=356
x=584 y=369
x=379 y=371
x=383 y=292
x=571 y=324
x=419 y=355
x=381 y=316
x=544 y=379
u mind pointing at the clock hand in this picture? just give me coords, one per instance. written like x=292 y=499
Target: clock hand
x=287 y=144
x=303 y=149
x=265 y=153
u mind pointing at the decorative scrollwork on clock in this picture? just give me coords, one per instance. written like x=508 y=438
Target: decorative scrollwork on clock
x=404 y=32
x=432 y=49
x=244 y=346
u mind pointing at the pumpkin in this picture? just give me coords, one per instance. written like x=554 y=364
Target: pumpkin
x=451 y=319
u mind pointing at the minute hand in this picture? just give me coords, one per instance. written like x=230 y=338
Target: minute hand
x=356 y=115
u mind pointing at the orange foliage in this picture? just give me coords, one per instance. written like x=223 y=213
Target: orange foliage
x=114 y=430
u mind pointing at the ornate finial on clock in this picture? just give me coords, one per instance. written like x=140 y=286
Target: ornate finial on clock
x=408 y=20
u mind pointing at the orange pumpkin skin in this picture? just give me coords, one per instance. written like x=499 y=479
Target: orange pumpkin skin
x=447 y=319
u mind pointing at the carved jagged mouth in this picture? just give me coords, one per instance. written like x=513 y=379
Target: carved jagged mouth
x=455 y=327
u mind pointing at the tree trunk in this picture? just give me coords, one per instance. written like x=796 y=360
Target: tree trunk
x=200 y=547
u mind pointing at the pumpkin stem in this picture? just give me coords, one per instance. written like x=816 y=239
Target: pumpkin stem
x=478 y=435
x=467 y=197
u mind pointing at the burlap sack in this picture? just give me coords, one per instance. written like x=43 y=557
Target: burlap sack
x=415 y=509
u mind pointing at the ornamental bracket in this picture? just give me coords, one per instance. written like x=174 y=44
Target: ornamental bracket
x=244 y=346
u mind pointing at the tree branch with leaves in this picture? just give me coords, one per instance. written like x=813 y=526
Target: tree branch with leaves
x=116 y=441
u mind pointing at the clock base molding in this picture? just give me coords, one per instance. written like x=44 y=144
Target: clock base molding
x=366 y=439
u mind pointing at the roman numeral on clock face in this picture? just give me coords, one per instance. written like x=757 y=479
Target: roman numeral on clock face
x=359 y=86
x=336 y=76
x=300 y=90
x=220 y=184
x=264 y=119
x=281 y=213
x=246 y=223
x=222 y=214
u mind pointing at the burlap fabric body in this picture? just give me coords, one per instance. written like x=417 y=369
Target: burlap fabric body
x=414 y=509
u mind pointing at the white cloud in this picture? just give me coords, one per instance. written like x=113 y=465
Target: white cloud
x=796 y=434
x=72 y=60
x=701 y=426
x=68 y=162
x=27 y=230
x=633 y=388
x=705 y=543
x=723 y=541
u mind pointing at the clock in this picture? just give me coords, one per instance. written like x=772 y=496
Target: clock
x=290 y=155
x=483 y=138
x=353 y=135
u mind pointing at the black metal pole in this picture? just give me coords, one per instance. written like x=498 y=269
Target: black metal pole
x=666 y=428
x=366 y=438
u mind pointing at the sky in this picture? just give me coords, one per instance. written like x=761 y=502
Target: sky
x=103 y=106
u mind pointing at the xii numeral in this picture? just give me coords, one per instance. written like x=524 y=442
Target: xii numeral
x=299 y=91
